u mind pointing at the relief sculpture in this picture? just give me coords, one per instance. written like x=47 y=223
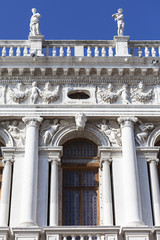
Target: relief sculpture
x=107 y=95
x=111 y=130
x=145 y=129
x=17 y=130
x=139 y=95
x=18 y=94
x=49 y=96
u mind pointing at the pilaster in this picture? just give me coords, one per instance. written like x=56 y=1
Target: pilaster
x=54 y=157
x=6 y=186
x=105 y=161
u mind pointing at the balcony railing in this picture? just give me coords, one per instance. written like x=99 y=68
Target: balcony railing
x=81 y=233
x=75 y=48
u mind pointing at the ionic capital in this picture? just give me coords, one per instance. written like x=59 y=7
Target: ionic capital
x=54 y=160
x=32 y=121
x=153 y=159
x=104 y=160
x=127 y=121
x=8 y=161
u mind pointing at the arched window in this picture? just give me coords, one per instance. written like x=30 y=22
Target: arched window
x=1 y=166
x=80 y=183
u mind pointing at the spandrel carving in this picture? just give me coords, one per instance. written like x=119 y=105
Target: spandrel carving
x=112 y=131
x=145 y=129
x=17 y=130
x=49 y=95
x=18 y=94
x=107 y=95
x=139 y=94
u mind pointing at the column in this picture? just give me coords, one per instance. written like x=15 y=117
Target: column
x=6 y=192
x=54 y=159
x=132 y=201
x=105 y=161
x=155 y=191
x=30 y=172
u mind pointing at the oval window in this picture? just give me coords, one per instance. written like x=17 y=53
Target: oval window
x=78 y=95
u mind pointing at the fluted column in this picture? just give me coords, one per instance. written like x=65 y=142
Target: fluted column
x=6 y=191
x=132 y=202
x=105 y=161
x=30 y=172
x=54 y=159
x=155 y=191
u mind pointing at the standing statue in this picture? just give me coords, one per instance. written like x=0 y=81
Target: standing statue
x=34 y=23
x=120 y=23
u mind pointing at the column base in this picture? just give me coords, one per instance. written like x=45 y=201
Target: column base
x=28 y=224
x=135 y=224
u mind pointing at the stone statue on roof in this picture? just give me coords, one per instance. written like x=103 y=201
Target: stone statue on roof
x=35 y=23
x=120 y=23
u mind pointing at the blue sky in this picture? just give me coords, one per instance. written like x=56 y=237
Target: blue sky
x=81 y=19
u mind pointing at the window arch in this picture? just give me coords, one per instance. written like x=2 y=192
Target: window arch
x=80 y=183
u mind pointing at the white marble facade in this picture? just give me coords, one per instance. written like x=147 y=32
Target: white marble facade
x=112 y=101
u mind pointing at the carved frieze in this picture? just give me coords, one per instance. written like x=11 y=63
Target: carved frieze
x=46 y=93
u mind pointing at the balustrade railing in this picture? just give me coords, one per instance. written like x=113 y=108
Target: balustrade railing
x=84 y=48
x=82 y=233
x=14 y=48
x=144 y=48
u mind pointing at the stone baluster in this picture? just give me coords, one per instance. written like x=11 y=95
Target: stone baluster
x=18 y=52
x=139 y=52
x=47 y=51
x=4 y=52
x=11 y=51
x=6 y=191
x=153 y=52
x=96 y=51
x=110 y=51
x=61 y=52
x=103 y=52
x=30 y=172
x=159 y=51
x=132 y=52
x=68 y=51
x=132 y=201
x=81 y=237
x=155 y=191
x=54 y=52
x=146 y=52
x=105 y=161
x=54 y=156
x=89 y=51
x=25 y=51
